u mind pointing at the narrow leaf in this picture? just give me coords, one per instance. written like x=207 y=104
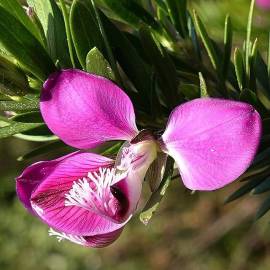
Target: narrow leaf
x=23 y=45
x=248 y=37
x=163 y=66
x=239 y=68
x=246 y=188
x=203 y=87
x=97 y=64
x=53 y=25
x=43 y=149
x=207 y=42
x=228 y=34
x=19 y=106
x=263 y=209
x=263 y=187
x=16 y=9
x=84 y=30
x=15 y=128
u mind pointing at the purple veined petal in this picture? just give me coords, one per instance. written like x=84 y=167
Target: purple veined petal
x=213 y=141
x=86 y=110
x=95 y=241
x=32 y=176
x=46 y=184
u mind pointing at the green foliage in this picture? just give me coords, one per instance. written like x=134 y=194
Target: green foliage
x=158 y=52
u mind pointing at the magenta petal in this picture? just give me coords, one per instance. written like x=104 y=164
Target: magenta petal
x=85 y=110
x=95 y=241
x=32 y=176
x=102 y=240
x=213 y=141
x=45 y=184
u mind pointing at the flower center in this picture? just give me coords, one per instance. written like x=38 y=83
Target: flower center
x=94 y=192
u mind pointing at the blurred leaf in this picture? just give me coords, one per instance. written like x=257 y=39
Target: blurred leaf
x=43 y=149
x=203 y=87
x=53 y=25
x=207 y=42
x=16 y=9
x=263 y=209
x=18 y=41
x=15 y=128
x=156 y=197
x=263 y=187
x=97 y=64
x=246 y=188
x=19 y=106
x=228 y=34
x=239 y=68
x=84 y=30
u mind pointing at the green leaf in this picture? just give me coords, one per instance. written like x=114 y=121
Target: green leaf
x=228 y=34
x=177 y=12
x=68 y=32
x=113 y=150
x=19 y=106
x=263 y=154
x=190 y=91
x=19 y=42
x=15 y=128
x=208 y=44
x=38 y=134
x=53 y=25
x=248 y=37
x=84 y=30
x=239 y=68
x=130 y=61
x=13 y=81
x=16 y=9
x=41 y=150
x=262 y=72
x=156 y=197
x=29 y=117
x=97 y=64
x=263 y=209
x=163 y=66
x=246 y=188
x=132 y=13
x=263 y=187
x=203 y=87
x=249 y=97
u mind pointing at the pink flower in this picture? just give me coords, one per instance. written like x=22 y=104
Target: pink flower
x=89 y=198
x=264 y=4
